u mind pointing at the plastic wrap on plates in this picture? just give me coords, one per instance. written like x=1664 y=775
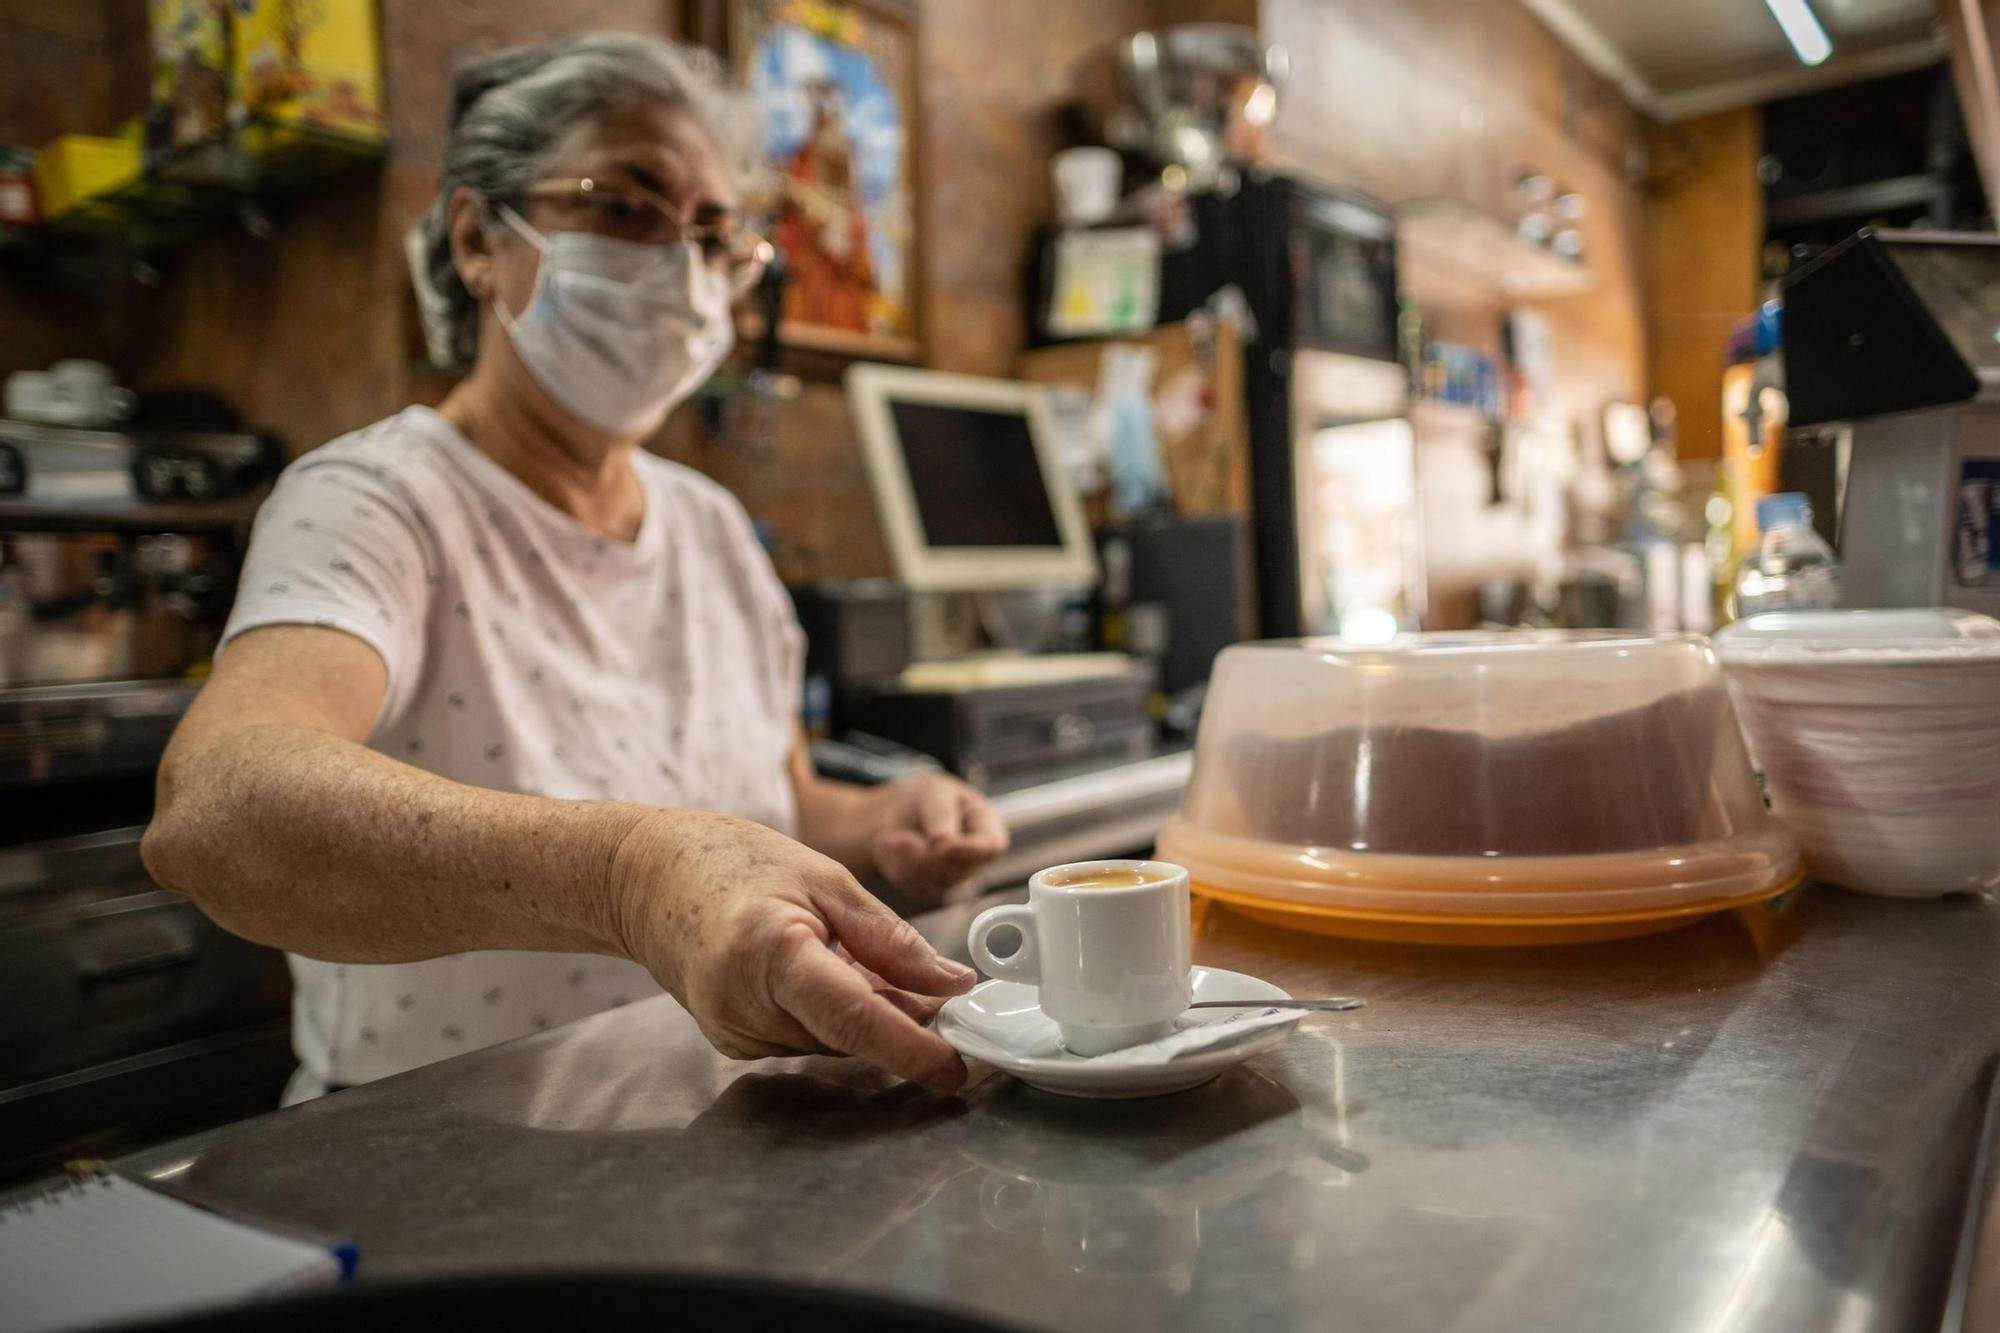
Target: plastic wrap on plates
x=1879 y=736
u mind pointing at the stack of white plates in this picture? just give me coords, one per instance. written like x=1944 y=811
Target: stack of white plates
x=1879 y=736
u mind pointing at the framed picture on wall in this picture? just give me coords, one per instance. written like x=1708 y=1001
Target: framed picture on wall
x=834 y=82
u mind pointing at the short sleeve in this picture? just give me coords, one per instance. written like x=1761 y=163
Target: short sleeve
x=339 y=544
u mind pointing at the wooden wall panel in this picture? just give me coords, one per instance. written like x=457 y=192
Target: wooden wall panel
x=423 y=42
x=299 y=331
x=72 y=67
x=1453 y=98
x=807 y=485
x=1240 y=12
x=66 y=67
x=993 y=79
x=1704 y=243
x=306 y=332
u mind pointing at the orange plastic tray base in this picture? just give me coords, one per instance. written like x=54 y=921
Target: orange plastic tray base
x=1482 y=931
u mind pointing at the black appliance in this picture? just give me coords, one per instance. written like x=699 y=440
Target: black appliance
x=1887 y=152
x=125 y=1014
x=995 y=736
x=1189 y=574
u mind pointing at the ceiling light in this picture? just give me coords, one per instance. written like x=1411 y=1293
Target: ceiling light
x=1809 y=41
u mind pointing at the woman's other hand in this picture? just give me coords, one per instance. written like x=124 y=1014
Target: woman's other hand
x=776 y=950
x=931 y=831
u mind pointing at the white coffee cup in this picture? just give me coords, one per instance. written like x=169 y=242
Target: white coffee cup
x=1111 y=962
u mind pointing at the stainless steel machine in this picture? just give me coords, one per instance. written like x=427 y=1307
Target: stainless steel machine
x=1897 y=334
x=124 y=1012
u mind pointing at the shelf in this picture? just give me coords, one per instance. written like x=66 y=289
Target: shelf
x=1453 y=254
x=122 y=514
x=1881 y=196
x=182 y=194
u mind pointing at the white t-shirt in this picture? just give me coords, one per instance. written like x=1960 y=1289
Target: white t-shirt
x=527 y=654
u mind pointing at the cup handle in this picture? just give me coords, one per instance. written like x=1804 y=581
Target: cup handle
x=1024 y=964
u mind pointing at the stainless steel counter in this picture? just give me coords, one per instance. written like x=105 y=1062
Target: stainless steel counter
x=1762 y=1122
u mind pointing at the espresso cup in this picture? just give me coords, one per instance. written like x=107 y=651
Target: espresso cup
x=1106 y=944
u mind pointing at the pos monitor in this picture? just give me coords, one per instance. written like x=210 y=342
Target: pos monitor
x=970 y=493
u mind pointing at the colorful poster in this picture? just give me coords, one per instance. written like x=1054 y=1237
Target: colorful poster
x=832 y=80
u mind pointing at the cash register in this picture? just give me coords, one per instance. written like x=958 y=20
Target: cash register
x=974 y=503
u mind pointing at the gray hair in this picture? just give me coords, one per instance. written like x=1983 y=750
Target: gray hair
x=513 y=110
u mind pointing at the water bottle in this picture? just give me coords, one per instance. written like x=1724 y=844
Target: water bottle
x=1791 y=569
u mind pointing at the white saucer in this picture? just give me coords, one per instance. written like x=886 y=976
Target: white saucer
x=1001 y=1023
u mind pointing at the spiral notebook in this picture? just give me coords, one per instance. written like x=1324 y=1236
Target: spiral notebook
x=103 y=1249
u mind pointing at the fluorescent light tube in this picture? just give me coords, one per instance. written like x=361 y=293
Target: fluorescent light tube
x=1809 y=41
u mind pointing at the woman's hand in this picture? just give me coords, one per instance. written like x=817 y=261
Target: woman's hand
x=776 y=950
x=931 y=831
x=922 y=834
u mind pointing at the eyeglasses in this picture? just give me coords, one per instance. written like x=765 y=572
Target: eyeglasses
x=634 y=213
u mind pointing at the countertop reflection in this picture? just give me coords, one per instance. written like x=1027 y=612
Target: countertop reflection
x=1761 y=1122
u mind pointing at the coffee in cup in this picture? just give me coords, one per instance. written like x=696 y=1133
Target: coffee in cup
x=1099 y=875
x=1107 y=945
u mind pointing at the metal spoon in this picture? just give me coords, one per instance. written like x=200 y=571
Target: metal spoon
x=1334 y=1005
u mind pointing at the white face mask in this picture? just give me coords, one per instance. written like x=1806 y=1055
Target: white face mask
x=619 y=332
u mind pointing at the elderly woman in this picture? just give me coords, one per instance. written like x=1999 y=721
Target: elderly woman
x=503 y=734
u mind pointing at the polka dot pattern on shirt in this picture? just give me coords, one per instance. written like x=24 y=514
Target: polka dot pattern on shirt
x=524 y=654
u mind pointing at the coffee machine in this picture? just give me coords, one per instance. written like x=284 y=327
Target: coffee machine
x=1897 y=334
x=124 y=1012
